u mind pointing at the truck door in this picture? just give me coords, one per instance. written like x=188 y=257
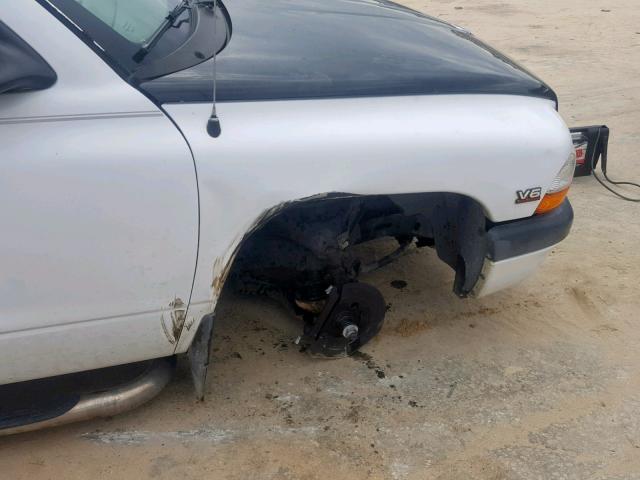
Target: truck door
x=98 y=210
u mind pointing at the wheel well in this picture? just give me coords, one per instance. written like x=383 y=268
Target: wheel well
x=301 y=251
x=304 y=247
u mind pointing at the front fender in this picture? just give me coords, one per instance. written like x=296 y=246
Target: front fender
x=485 y=147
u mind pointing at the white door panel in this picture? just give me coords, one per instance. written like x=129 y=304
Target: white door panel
x=99 y=222
x=43 y=352
x=99 y=219
x=98 y=215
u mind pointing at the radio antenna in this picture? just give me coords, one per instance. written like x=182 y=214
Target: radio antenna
x=213 y=124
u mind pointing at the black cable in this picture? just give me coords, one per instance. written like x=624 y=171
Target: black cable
x=603 y=167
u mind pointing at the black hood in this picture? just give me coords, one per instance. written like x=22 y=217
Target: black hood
x=295 y=49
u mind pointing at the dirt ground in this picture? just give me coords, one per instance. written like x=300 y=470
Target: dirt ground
x=540 y=382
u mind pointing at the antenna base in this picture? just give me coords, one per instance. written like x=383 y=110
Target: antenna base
x=213 y=127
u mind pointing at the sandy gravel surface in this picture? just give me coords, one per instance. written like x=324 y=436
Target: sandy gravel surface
x=540 y=382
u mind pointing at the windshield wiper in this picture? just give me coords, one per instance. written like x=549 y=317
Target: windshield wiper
x=166 y=24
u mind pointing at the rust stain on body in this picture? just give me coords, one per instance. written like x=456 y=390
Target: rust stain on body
x=178 y=315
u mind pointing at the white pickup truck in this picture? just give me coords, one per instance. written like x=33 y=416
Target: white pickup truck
x=127 y=206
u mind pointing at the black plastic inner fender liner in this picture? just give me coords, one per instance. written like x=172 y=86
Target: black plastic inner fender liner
x=308 y=247
x=459 y=228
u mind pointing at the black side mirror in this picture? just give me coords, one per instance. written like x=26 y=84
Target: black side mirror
x=21 y=67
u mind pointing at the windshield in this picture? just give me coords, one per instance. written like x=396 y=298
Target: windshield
x=143 y=39
x=135 y=20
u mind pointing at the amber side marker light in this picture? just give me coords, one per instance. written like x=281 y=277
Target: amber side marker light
x=551 y=201
x=559 y=188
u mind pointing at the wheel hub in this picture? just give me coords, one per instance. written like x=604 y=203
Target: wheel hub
x=352 y=316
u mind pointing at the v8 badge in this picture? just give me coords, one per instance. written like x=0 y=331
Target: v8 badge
x=529 y=195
